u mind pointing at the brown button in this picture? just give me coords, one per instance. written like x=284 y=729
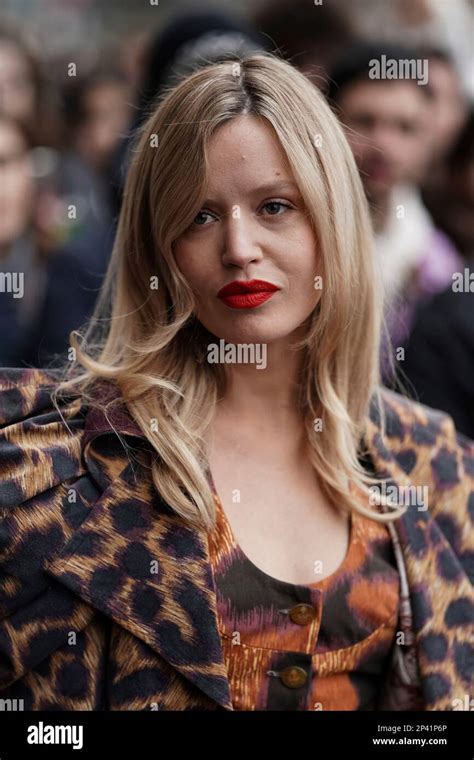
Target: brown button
x=302 y=614
x=293 y=676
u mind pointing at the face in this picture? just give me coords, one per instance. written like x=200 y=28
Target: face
x=390 y=123
x=252 y=226
x=16 y=184
x=106 y=116
x=17 y=94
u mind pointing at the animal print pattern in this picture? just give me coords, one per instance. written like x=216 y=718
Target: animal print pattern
x=85 y=624
x=342 y=643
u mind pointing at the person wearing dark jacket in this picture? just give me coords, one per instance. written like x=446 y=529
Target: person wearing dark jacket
x=439 y=357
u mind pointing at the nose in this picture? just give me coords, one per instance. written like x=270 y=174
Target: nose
x=384 y=138
x=240 y=244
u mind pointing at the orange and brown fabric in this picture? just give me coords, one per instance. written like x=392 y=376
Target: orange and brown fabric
x=321 y=646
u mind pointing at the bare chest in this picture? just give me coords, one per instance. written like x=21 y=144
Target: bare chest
x=280 y=517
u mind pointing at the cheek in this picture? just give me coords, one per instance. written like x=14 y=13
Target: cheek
x=193 y=266
x=302 y=273
x=185 y=261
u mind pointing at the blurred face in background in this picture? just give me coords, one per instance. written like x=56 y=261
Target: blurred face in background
x=387 y=128
x=16 y=184
x=17 y=90
x=105 y=116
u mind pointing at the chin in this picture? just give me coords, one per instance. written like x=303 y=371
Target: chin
x=253 y=333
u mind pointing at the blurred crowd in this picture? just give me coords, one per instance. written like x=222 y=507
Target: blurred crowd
x=64 y=156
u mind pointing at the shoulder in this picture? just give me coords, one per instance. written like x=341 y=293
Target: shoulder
x=425 y=441
x=434 y=455
x=40 y=443
x=411 y=421
x=23 y=391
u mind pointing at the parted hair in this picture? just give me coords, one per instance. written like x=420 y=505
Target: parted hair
x=144 y=335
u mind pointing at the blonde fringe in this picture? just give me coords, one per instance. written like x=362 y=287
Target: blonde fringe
x=148 y=343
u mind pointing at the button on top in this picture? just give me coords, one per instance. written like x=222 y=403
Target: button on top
x=293 y=677
x=302 y=614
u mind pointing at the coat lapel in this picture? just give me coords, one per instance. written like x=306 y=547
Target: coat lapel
x=138 y=562
x=439 y=587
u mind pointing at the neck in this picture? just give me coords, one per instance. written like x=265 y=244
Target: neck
x=265 y=398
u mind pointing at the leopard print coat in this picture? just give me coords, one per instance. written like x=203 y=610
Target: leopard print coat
x=84 y=625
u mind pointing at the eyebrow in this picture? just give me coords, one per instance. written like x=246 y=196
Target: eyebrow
x=270 y=187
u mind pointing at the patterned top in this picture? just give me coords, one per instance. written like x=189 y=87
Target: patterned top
x=319 y=646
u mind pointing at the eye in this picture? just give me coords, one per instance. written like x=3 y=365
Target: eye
x=275 y=204
x=407 y=127
x=198 y=219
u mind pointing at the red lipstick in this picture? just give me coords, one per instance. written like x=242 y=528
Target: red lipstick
x=240 y=294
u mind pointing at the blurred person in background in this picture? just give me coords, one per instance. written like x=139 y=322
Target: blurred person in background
x=22 y=255
x=56 y=214
x=97 y=112
x=445 y=24
x=439 y=361
x=23 y=95
x=311 y=37
x=449 y=103
x=102 y=112
x=455 y=210
x=449 y=115
x=46 y=290
x=387 y=125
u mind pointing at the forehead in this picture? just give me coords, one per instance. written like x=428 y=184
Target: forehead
x=400 y=97
x=246 y=148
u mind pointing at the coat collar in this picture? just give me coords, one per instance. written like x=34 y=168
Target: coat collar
x=174 y=610
x=170 y=607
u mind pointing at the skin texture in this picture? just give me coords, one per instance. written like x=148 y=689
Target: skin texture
x=283 y=522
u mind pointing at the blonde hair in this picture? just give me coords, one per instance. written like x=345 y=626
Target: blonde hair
x=149 y=342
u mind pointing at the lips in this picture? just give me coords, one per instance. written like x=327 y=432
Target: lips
x=252 y=286
x=242 y=294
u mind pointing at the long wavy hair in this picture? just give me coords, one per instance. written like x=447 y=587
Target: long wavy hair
x=144 y=335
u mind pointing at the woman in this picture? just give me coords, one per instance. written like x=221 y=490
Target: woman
x=184 y=530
